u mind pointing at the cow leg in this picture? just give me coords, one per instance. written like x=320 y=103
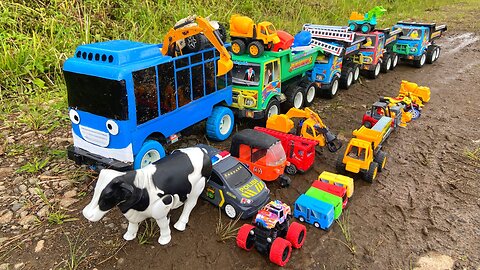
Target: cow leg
x=160 y=210
x=190 y=203
x=131 y=231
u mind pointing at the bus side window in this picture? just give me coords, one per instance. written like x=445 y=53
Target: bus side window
x=146 y=99
x=166 y=87
x=183 y=87
x=338 y=184
x=324 y=181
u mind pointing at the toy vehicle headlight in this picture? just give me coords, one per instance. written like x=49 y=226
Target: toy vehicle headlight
x=413 y=49
x=246 y=201
x=74 y=117
x=248 y=102
x=319 y=77
x=112 y=127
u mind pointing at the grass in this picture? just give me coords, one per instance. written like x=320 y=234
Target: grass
x=77 y=252
x=473 y=154
x=56 y=216
x=150 y=230
x=227 y=230
x=344 y=224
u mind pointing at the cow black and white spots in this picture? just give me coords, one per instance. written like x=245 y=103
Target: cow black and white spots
x=153 y=191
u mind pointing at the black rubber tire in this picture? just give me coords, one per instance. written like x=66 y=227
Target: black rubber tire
x=395 y=60
x=259 y=49
x=311 y=87
x=373 y=74
x=291 y=169
x=437 y=55
x=386 y=64
x=223 y=32
x=241 y=45
x=367 y=124
x=356 y=73
x=292 y=93
x=420 y=62
x=332 y=91
x=430 y=54
x=271 y=103
x=371 y=174
x=339 y=166
x=284 y=181
x=195 y=43
x=346 y=78
x=381 y=159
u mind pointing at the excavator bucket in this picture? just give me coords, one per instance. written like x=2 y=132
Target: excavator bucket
x=413 y=89
x=224 y=66
x=280 y=122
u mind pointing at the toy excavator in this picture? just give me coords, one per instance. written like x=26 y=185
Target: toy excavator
x=190 y=30
x=411 y=97
x=367 y=22
x=309 y=126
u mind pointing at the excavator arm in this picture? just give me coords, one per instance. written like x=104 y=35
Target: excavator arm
x=203 y=26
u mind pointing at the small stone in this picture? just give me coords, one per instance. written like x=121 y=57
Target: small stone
x=4 y=266
x=70 y=194
x=120 y=260
x=16 y=206
x=22 y=188
x=64 y=183
x=2 y=187
x=23 y=213
x=39 y=246
x=33 y=180
x=20 y=160
x=66 y=202
x=11 y=139
x=43 y=212
x=32 y=191
x=27 y=220
x=124 y=226
x=17 y=180
x=425 y=231
x=19 y=265
x=111 y=226
x=6 y=217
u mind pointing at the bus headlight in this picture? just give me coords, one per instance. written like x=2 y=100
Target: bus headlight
x=112 y=127
x=74 y=117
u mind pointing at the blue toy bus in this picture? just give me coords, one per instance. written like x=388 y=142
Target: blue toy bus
x=310 y=210
x=126 y=100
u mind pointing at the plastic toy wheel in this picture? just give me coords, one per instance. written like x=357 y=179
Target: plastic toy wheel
x=230 y=211
x=332 y=91
x=366 y=28
x=296 y=234
x=356 y=73
x=273 y=108
x=280 y=251
x=195 y=43
x=371 y=174
x=291 y=169
x=386 y=64
x=346 y=79
x=238 y=47
x=339 y=165
x=373 y=74
x=302 y=219
x=255 y=49
x=415 y=113
x=150 y=152
x=223 y=32
x=353 y=26
x=394 y=61
x=295 y=97
x=381 y=160
x=310 y=94
x=220 y=123
x=437 y=55
x=431 y=54
x=285 y=181
x=316 y=224
x=367 y=124
x=420 y=62
x=245 y=239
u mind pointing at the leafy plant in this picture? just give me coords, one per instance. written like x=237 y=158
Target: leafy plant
x=150 y=230
x=77 y=252
x=33 y=167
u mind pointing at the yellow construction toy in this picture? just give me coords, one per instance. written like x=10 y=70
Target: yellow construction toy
x=363 y=153
x=418 y=94
x=256 y=38
x=307 y=124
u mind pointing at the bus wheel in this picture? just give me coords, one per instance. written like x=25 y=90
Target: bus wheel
x=220 y=123
x=150 y=152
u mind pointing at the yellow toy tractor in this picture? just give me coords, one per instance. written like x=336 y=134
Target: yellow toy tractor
x=307 y=124
x=255 y=38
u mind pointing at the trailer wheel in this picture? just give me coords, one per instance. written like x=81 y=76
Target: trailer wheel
x=420 y=62
x=296 y=234
x=273 y=108
x=310 y=93
x=291 y=169
x=346 y=78
x=220 y=123
x=371 y=174
x=394 y=61
x=295 y=97
x=381 y=160
x=333 y=89
x=150 y=152
x=339 y=165
x=238 y=47
x=353 y=26
x=245 y=239
x=255 y=48
x=386 y=64
x=373 y=74
x=280 y=251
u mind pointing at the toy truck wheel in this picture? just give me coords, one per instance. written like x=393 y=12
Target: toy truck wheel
x=339 y=165
x=381 y=160
x=353 y=26
x=310 y=94
x=220 y=123
x=273 y=108
x=394 y=61
x=255 y=48
x=316 y=224
x=415 y=113
x=366 y=28
x=230 y=211
x=437 y=55
x=296 y=234
x=367 y=124
x=346 y=79
x=420 y=62
x=222 y=31
x=386 y=64
x=238 y=47
x=371 y=174
x=284 y=181
x=280 y=251
x=302 y=219
x=431 y=54
x=356 y=73
x=195 y=43
x=373 y=74
x=333 y=89
x=245 y=237
x=291 y=169
x=295 y=97
x=150 y=152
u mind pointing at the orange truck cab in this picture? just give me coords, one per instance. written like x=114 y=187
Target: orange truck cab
x=262 y=153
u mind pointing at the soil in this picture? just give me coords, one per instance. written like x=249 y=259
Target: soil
x=422 y=207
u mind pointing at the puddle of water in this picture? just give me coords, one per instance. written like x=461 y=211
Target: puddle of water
x=466 y=39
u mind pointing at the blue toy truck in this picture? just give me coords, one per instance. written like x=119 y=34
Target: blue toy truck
x=126 y=99
x=417 y=42
x=313 y=211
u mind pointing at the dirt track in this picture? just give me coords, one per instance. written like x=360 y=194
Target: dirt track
x=425 y=201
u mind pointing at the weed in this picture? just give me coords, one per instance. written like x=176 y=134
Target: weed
x=228 y=230
x=473 y=155
x=150 y=231
x=77 y=252
x=33 y=167
x=59 y=217
x=344 y=224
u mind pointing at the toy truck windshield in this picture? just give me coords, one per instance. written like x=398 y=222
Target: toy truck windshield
x=99 y=96
x=246 y=74
x=411 y=34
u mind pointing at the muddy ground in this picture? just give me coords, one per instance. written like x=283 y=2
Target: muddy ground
x=425 y=204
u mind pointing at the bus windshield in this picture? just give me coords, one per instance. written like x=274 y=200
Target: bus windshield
x=246 y=74
x=99 y=96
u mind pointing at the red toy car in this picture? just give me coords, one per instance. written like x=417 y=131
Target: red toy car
x=332 y=189
x=286 y=41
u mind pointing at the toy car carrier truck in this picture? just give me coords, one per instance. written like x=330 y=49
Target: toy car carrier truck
x=260 y=84
x=126 y=98
x=417 y=42
x=335 y=68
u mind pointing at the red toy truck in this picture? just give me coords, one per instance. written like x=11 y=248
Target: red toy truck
x=332 y=189
x=300 y=151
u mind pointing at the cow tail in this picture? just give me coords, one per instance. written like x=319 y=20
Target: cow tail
x=207 y=166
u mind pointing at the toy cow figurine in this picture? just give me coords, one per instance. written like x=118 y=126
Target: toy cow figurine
x=153 y=191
